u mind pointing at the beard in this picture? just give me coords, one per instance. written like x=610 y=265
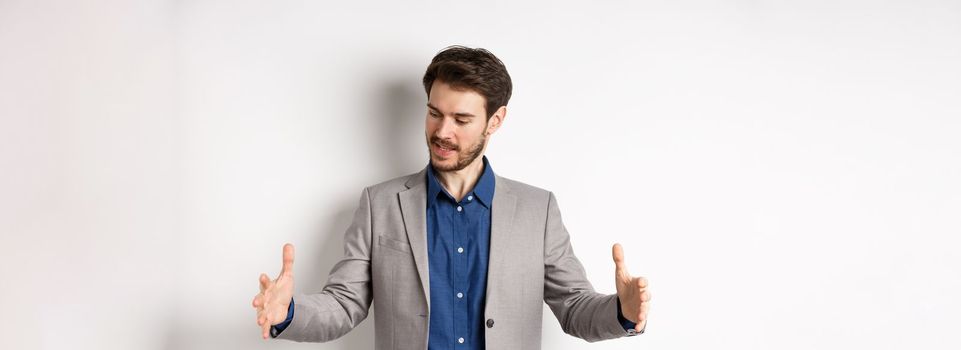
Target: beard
x=463 y=159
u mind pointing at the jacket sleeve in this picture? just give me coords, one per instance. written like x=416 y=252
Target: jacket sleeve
x=345 y=299
x=581 y=311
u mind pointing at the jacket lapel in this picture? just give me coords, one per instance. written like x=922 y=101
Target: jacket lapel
x=413 y=206
x=502 y=219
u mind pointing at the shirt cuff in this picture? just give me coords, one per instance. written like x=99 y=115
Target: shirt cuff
x=627 y=324
x=276 y=329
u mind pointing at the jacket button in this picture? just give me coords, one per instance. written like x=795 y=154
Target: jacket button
x=490 y=323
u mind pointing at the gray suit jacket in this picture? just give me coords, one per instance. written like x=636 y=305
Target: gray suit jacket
x=385 y=262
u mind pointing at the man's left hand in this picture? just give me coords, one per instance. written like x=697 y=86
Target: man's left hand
x=632 y=291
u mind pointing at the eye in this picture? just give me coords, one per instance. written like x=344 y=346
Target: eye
x=434 y=114
x=461 y=122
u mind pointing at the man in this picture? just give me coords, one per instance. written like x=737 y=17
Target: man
x=454 y=256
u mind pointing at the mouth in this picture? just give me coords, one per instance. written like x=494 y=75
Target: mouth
x=442 y=151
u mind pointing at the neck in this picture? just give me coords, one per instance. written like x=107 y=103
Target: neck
x=459 y=182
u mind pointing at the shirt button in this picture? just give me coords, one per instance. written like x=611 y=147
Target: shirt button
x=470 y=197
x=460 y=249
x=490 y=323
x=459 y=208
x=460 y=340
x=460 y=295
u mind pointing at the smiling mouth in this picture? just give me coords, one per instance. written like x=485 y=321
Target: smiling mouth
x=443 y=152
x=442 y=148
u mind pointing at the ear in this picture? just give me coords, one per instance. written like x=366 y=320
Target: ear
x=496 y=120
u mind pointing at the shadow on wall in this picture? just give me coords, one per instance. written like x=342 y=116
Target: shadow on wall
x=401 y=112
x=398 y=107
x=393 y=124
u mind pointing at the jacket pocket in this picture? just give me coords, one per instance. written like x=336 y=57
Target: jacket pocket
x=393 y=243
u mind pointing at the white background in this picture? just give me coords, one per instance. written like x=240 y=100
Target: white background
x=786 y=174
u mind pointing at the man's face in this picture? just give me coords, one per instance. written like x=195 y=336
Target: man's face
x=456 y=126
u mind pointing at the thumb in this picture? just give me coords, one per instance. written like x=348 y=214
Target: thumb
x=288 y=267
x=618 y=254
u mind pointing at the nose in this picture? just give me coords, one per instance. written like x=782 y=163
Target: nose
x=446 y=128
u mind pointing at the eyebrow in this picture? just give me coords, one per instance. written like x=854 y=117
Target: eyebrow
x=459 y=114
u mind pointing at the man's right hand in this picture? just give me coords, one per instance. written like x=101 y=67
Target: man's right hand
x=274 y=298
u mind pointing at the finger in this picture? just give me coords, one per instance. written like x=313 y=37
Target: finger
x=640 y=325
x=264 y=282
x=258 y=300
x=645 y=296
x=266 y=329
x=618 y=254
x=265 y=325
x=640 y=282
x=642 y=315
x=288 y=267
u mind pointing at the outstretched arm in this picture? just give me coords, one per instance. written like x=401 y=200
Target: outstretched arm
x=581 y=311
x=344 y=301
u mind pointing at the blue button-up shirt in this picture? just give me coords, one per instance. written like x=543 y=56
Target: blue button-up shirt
x=458 y=243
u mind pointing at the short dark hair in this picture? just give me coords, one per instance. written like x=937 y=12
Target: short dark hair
x=474 y=69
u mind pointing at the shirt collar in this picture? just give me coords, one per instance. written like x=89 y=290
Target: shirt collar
x=483 y=190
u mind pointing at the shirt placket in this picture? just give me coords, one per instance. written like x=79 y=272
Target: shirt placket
x=460 y=275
